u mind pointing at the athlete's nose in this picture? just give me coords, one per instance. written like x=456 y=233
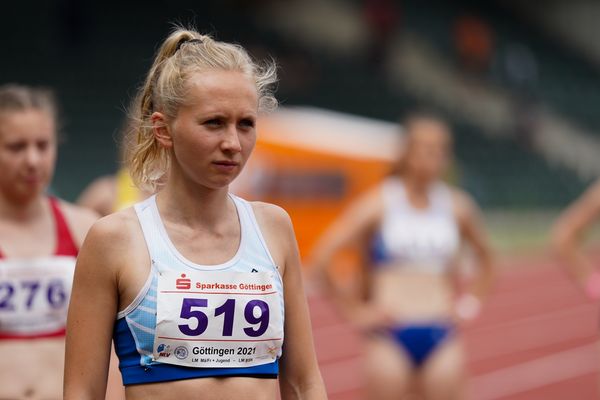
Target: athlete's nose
x=231 y=141
x=32 y=156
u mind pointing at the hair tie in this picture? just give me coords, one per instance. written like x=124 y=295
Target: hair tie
x=187 y=41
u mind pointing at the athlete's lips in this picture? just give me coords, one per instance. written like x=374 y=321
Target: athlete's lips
x=226 y=162
x=32 y=179
x=225 y=165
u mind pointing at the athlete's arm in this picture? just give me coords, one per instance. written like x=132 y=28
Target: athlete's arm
x=100 y=195
x=353 y=228
x=299 y=372
x=92 y=310
x=568 y=231
x=473 y=232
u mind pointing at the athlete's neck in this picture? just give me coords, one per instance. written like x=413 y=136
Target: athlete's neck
x=22 y=211
x=417 y=191
x=193 y=205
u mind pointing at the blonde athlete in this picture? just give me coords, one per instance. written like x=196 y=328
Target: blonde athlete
x=409 y=230
x=200 y=290
x=40 y=236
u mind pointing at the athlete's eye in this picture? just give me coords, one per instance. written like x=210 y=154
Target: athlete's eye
x=16 y=146
x=213 y=122
x=247 y=123
x=43 y=145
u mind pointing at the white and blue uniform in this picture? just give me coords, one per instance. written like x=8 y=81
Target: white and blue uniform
x=193 y=321
x=424 y=239
x=421 y=240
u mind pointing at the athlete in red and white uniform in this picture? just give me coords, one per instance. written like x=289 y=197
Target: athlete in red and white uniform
x=39 y=239
x=33 y=289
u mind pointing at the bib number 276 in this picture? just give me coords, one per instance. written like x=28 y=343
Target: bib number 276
x=54 y=292
x=256 y=313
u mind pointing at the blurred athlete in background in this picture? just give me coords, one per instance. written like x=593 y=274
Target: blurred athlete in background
x=202 y=284
x=567 y=237
x=111 y=193
x=39 y=239
x=409 y=230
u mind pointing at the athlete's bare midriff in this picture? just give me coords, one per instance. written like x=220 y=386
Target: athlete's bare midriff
x=239 y=388
x=408 y=295
x=32 y=368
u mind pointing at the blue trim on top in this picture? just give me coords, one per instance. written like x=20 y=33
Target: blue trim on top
x=379 y=253
x=134 y=374
x=159 y=372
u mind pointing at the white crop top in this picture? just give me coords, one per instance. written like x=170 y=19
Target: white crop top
x=194 y=321
x=427 y=239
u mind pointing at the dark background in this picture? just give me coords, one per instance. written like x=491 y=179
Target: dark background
x=95 y=54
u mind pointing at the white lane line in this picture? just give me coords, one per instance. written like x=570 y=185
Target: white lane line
x=537 y=373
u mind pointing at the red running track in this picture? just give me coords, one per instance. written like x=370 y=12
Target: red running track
x=536 y=339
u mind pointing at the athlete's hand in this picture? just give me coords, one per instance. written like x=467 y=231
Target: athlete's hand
x=467 y=308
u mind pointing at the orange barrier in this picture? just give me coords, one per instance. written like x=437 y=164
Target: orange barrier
x=313 y=162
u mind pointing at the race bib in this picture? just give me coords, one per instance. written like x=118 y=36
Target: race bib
x=34 y=295
x=218 y=319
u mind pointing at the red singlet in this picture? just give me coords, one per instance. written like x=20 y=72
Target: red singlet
x=34 y=292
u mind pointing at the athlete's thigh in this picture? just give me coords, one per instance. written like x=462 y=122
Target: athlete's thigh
x=442 y=377
x=389 y=373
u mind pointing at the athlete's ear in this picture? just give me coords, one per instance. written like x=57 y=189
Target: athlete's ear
x=161 y=130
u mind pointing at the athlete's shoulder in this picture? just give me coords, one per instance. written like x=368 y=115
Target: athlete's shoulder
x=271 y=215
x=73 y=211
x=117 y=225
x=464 y=204
x=459 y=195
x=278 y=231
x=114 y=233
x=112 y=244
x=79 y=219
x=100 y=195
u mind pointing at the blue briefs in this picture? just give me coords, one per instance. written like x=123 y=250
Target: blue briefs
x=420 y=340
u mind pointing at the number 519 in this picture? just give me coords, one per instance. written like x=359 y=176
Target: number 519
x=191 y=309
